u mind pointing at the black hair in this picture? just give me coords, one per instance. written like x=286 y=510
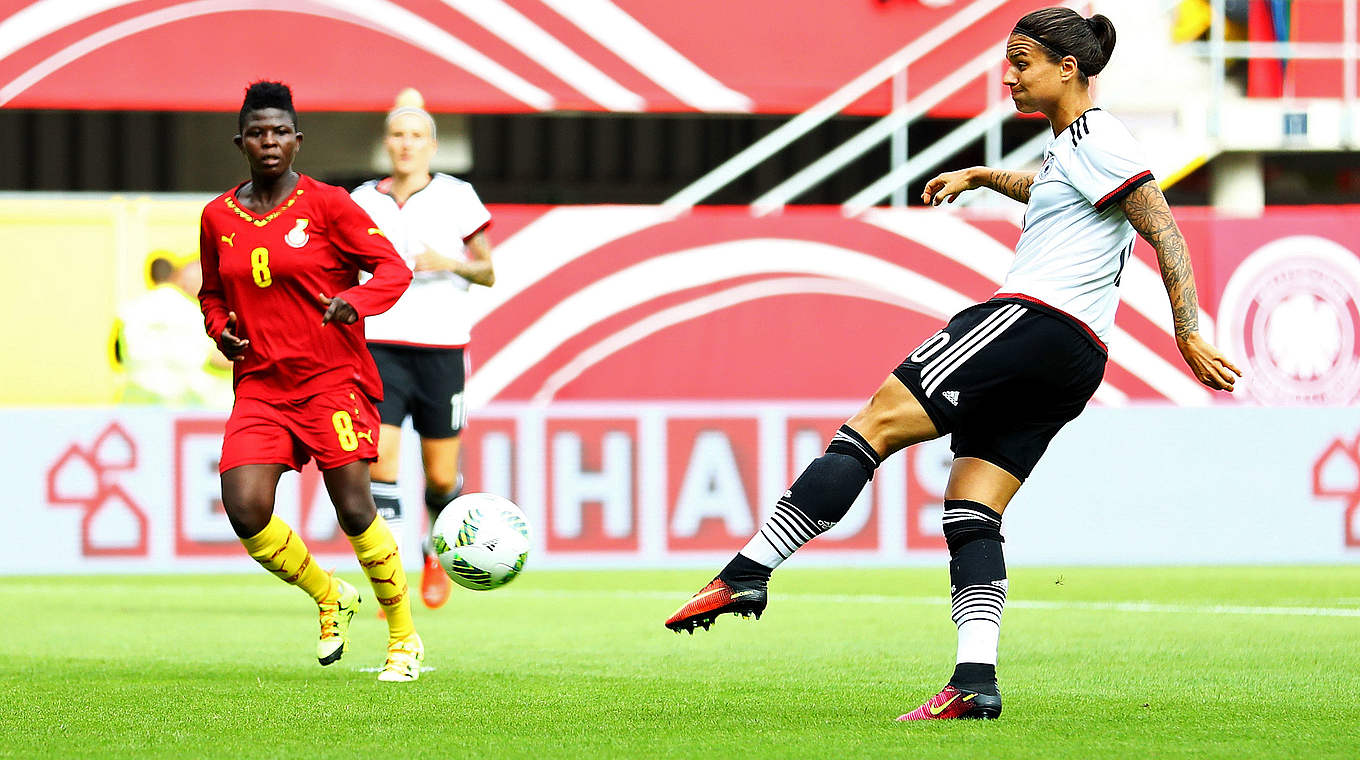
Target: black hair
x=1063 y=32
x=160 y=269
x=261 y=95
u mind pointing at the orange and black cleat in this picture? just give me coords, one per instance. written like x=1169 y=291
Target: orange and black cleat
x=720 y=597
x=953 y=703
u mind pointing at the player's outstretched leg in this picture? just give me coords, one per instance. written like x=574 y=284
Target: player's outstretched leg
x=815 y=502
x=281 y=551
x=377 y=552
x=977 y=577
x=434 y=582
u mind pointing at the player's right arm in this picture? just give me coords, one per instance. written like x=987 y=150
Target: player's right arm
x=950 y=185
x=218 y=319
x=212 y=299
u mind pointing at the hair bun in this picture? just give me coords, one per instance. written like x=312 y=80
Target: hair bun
x=409 y=98
x=1103 y=30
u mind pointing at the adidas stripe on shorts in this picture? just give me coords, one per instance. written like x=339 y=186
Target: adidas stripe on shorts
x=1003 y=377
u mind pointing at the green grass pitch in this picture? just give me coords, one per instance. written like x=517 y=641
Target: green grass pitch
x=1096 y=663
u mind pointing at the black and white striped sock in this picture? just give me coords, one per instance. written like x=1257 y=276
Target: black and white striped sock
x=977 y=576
x=783 y=533
x=816 y=501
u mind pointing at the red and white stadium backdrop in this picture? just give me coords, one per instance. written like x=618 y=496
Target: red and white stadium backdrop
x=646 y=385
x=717 y=56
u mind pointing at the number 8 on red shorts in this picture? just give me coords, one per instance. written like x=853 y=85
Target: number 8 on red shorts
x=335 y=428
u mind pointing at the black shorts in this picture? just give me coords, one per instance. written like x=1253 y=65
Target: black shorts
x=425 y=383
x=1003 y=377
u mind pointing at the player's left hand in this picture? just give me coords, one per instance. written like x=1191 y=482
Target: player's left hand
x=430 y=261
x=337 y=310
x=1210 y=366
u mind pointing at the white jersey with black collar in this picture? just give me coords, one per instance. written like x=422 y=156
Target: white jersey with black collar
x=1076 y=238
x=441 y=216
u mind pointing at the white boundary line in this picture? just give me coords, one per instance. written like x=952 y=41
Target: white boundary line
x=943 y=601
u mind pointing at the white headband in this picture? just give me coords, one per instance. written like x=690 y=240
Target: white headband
x=421 y=112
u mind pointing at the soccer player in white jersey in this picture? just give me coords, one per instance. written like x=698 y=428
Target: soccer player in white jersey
x=1005 y=375
x=438 y=225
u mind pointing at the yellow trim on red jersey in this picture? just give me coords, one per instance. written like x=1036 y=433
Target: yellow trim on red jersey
x=246 y=215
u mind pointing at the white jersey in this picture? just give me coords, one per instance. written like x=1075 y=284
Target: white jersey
x=441 y=216
x=1076 y=238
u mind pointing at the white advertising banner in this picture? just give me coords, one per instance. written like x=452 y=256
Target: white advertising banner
x=654 y=484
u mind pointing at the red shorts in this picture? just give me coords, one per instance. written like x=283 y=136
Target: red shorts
x=336 y=428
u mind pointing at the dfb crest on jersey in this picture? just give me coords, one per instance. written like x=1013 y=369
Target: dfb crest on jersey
x=297 y=237
x=1047 y=165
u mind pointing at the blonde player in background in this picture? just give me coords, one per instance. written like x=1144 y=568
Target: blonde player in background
x=438 y=225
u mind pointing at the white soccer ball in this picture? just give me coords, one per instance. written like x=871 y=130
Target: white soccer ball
x=482 y=540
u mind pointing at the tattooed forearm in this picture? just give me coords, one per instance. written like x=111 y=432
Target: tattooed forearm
x=1011 y=184
x=1148 y=212
x=478 y=269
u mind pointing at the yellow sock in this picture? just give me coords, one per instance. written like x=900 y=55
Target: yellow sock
x=282 y=553
x=377 y=553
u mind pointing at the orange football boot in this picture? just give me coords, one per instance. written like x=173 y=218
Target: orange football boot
x=434 y=583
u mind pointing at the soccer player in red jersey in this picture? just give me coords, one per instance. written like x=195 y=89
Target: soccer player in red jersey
x=281 y=257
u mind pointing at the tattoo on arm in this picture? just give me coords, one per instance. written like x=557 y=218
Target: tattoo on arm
x=1011 y=184
x=478 y=269
x=1148 y=212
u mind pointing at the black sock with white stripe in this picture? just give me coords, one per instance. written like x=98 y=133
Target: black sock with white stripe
x=816 y=501
x=977 y=577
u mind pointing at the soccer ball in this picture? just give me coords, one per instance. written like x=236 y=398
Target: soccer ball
x=482 y=540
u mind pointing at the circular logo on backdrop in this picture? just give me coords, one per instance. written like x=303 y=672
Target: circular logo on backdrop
x=1291 y=312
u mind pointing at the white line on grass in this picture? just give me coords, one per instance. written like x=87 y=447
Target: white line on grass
x=1152 y=607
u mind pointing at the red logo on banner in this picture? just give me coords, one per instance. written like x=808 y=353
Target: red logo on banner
x=1336 y=475
x=592 y=486
x=712 y=467
x=927 y=475
x=492 y=464
x=113 y=524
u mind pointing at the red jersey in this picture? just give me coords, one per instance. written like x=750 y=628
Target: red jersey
x=270 y=268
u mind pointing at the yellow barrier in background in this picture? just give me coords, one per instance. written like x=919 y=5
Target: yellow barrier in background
x=71 y=261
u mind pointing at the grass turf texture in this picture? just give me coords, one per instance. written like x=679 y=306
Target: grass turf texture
x=577 y=664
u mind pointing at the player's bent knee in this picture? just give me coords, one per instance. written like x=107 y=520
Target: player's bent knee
x=355 y=515
x=248 y=515
x=441 y=484
x=248 y=505
x=893 y=419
